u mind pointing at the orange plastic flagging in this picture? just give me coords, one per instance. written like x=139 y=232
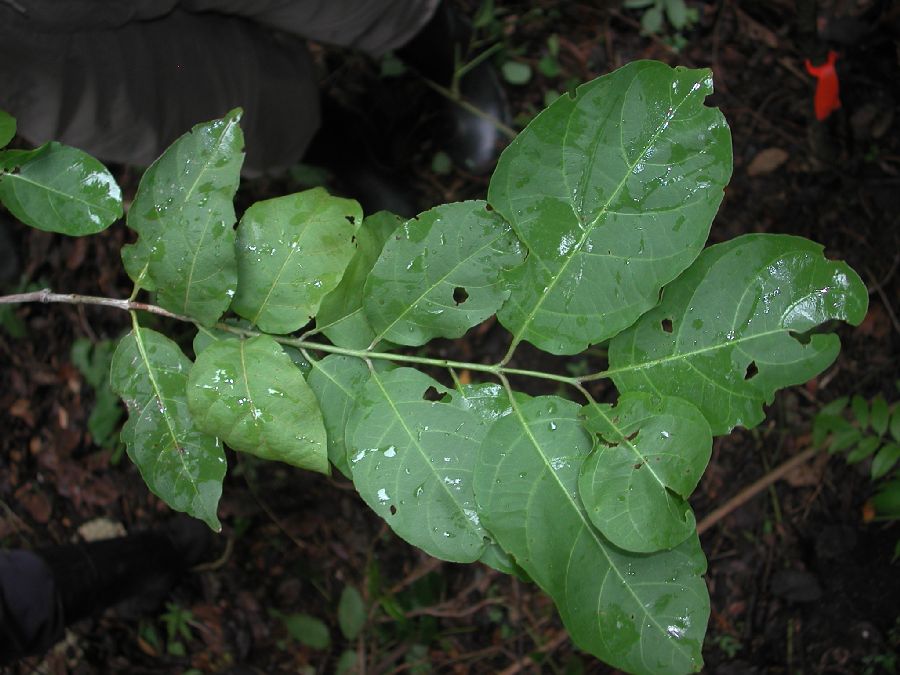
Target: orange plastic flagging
x=827 y=89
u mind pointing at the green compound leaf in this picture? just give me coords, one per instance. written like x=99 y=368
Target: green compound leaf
x=254 y=398
x=649 y=454
x=412 y=460
x=292 y=251
x=61 y=189
x=7 y=128
x=441 y=274
x=640 y=613
x=729 y=331
x=184 y=216
x=341 y=316
x=613 y=193
x=337 y=381
x=180 y=464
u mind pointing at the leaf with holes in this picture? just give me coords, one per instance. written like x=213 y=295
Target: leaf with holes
x=184 y=216
x=642 y=613
x=292 y=251
x=441 y=274
x=254 y=398
x=59 y=189
x=612 y=192
x=341 y=316
x=181 y=464
x=733 y=328
x=649 y=454
x=412 y=447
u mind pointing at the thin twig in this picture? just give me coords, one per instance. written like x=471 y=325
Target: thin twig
x=754 y=489
x=46 y=295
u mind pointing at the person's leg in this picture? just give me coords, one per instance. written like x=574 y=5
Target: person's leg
x=125 y=93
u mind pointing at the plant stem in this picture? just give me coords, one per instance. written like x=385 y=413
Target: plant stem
x=505 y=129
x=46 y=295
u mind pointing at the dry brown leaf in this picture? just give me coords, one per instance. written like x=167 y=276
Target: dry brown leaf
x=766 y=161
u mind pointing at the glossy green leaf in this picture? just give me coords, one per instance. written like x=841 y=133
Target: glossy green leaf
x=649 y=454
x=61 y=189
x=292 y=251
x=341 y=316
x=254 y=398
x=642 y=613
x=730 y=331
x=441 y=274
x=351 y=613
x=179 y=463
x=337 y=381
x=412 y=457
x=613 y=193
x=7 y=128
x=885 y=460
x=184 y=216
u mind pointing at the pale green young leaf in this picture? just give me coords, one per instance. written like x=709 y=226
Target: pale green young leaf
x=641 y=613
x=341 y=316
x=184 y=215
x=61 y=189
x=441 y=274
x=412 y=459
x=7 y=128
x=649 y=454
x=179 y=463
x=292 y=251
x=612 y=192
x=337 y=381
x=254 y=398
x=730 y=331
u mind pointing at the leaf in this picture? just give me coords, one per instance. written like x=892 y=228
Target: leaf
x=292 y=251
x=7 y=128
x=412 y=460
x=860 y=409
x=652 y=21
x=640 y=613
x=895 y=424
x=307 y=630
x=866 y=447
x=887 y=500
x=61 y=189
x=730 y=331
x=885 y=460
x=341 y=316
x=254 y=398
x=337 y=381
x=180 y=464
x=612 y=192
x=649 y=454
x=351 y=613
x=880 y=414
x=184 y=216
x=676 y=11
x=516 y=72
x=441 y=274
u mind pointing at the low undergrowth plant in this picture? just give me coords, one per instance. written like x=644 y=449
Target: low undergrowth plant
x=593 y=230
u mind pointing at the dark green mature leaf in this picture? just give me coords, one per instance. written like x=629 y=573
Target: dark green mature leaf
x=254 y=398
x=412 y=459
x=61 y=189
x=180 y=464
x=441 y=274
x=184 y=216
x=292 y=251
x=641 y=613
x=337 y=381
x=728 y=332
x=649 y=454
x=7 y=128
x=613 y=193
x=341 y=316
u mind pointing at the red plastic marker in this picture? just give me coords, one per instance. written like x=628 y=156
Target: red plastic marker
x=827 y=89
